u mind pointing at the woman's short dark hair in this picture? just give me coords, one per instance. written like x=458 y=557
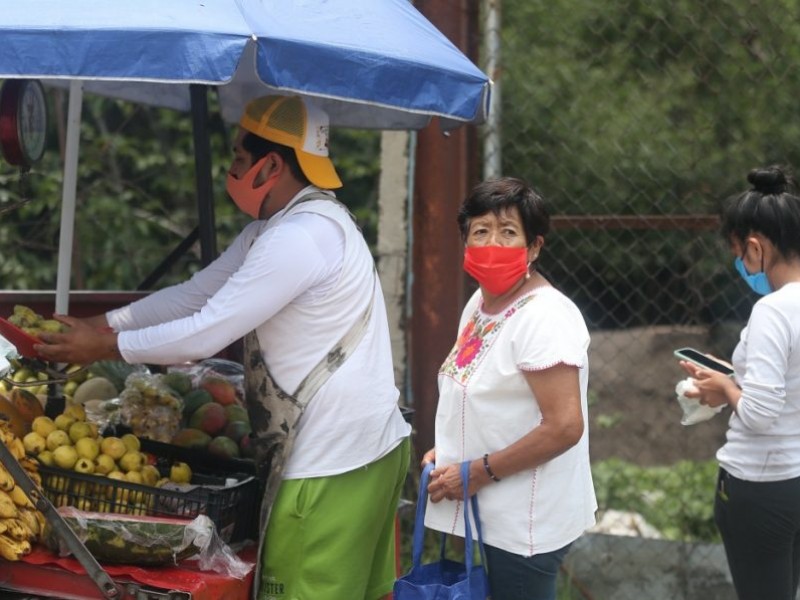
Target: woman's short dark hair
x=770 y=208
x=258 y=148
x=497 y=195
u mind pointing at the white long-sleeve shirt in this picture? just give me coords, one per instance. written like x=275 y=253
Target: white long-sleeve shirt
x=763 y=439
x=300 y=280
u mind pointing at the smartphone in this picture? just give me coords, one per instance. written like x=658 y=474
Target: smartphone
x=701 y=360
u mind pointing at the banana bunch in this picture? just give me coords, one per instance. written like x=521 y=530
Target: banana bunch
x=20 y=523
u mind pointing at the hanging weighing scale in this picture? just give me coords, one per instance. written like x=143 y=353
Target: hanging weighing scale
x=23 y=122
x=23 y=129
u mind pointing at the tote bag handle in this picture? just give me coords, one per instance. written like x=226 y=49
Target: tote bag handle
x=419 y=519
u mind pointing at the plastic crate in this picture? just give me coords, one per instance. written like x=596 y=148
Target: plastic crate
x=233 y=507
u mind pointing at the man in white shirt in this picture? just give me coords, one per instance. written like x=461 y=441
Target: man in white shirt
x=301 y=282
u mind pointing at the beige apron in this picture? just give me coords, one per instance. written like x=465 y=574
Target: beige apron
x=275 y=414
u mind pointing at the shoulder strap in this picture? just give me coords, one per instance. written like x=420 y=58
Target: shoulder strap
x=334 y=359
x=322 y=196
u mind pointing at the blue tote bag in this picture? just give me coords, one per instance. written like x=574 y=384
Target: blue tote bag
x=445 y=579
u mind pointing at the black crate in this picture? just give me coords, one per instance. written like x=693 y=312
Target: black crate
x=233 y=508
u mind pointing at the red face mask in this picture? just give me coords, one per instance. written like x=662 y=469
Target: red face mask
x=246 y=197
x=496 y=268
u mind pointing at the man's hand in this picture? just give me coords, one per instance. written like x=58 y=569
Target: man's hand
x=81 y=344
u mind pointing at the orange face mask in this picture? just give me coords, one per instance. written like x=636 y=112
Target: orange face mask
x=496 y=268
x=246 y=197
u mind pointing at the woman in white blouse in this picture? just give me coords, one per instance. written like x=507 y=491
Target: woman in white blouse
x=512 y=400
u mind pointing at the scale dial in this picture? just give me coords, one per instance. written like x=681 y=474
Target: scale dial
x=23 y=121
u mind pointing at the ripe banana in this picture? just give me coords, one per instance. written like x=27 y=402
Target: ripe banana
x=19 y=497
x=17 y=448
x=20 y=522
x=13 y=549
x=17 y=530
x=6 y=481
x=7 y=507
x=32 y=523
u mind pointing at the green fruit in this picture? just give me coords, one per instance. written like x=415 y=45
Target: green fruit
x=191 y=438
x=180 y=382
x=194 y=400
x=235 y=412
x=224 y=447
x=236 y=430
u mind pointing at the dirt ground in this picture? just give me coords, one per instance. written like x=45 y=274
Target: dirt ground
x=632 y=407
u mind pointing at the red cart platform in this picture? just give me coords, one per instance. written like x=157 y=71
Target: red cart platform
x=43 y=574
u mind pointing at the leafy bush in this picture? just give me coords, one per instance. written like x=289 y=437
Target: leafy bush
x=678 y=500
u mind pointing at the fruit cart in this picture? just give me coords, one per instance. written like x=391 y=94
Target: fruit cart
x=223 y=496
x=45 y=574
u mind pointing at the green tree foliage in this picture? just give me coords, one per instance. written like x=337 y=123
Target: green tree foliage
x=136 y=197
x=647 y=107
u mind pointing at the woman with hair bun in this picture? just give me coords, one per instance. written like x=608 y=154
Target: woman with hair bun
x=757 y=502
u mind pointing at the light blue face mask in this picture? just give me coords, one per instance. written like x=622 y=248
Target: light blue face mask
x=758 y=282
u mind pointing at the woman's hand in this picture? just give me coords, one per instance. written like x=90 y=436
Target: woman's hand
x=713 y=388
x=81 y=344
x=445 y=484
x=428 y=457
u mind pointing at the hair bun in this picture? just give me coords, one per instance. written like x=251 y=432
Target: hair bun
x=768 y=180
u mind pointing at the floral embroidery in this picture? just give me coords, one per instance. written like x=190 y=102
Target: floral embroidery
x=466 y=334
x=475 y=340
x=468 y=351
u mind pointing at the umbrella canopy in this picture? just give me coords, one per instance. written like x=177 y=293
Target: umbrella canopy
x=375 y=64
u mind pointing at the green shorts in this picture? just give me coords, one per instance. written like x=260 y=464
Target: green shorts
x=333 y=538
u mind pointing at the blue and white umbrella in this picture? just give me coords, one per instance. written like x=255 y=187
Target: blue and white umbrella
x=369 y=63
x=373 y=64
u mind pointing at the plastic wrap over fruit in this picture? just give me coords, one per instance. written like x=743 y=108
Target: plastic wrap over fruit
x=143 y=540
x=150 y=407
x=222 y=379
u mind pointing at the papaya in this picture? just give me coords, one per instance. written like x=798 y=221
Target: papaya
x=96 y=388
x=19 y=427
x=27 y=404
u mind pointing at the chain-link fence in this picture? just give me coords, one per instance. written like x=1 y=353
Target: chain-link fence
x=635 y=119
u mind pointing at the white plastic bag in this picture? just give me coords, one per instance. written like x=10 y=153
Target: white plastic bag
x=693 y=411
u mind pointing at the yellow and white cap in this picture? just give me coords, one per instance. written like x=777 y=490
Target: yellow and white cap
x=299 y=124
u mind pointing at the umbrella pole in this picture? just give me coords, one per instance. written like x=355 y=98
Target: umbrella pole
x=68 y=194
x=202 y=164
